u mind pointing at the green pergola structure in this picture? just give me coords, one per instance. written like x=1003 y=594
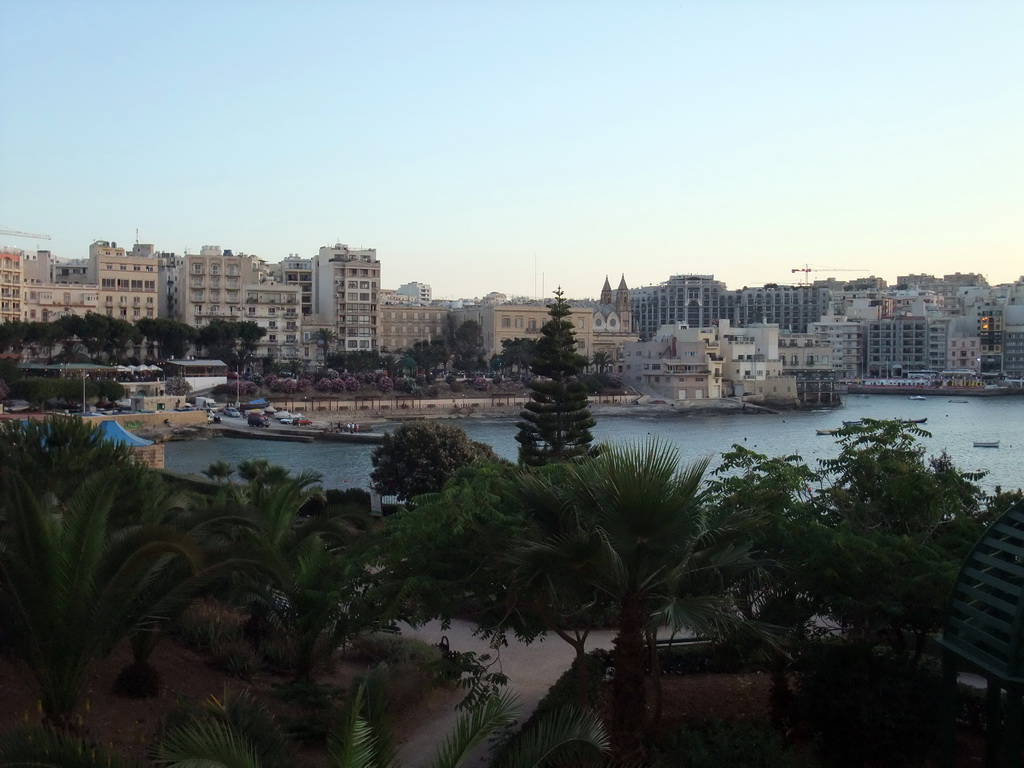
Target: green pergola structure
x=984 y=634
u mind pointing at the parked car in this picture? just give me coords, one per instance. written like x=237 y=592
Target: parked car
x=302 y=422
x=232 y=412
x=287 y=420
x=258 y=420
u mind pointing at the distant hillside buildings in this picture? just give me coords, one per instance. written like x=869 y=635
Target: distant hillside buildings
x=690 y=334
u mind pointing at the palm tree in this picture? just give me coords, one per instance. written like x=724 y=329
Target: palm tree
x=633 y=526
x=71 y=585
x=219 y=470
x=224 y=738
x=601 y=360
x=308 y=588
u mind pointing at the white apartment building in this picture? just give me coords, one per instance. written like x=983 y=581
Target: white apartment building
x=48 y=302
x=275 y=307
x=678 y=364
x=296 y=271
x=846 y=338
x=419 y=293
x=347 y=284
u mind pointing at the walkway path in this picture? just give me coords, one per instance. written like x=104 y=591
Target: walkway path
x=531 y=669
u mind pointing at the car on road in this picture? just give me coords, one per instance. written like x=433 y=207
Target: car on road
x=258 y=420
x=232 y=412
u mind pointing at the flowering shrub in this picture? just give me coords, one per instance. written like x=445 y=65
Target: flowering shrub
x=351 y=383
x=385 y=384
x=431 y=390
x=481 y=384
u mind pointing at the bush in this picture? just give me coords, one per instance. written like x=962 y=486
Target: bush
x=867 y=707
x=207 y=624
x=237 y=658
x=384 y=647
x=410 y=665
x=735 y=744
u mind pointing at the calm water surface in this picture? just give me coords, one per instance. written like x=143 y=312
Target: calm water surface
x=953 y=426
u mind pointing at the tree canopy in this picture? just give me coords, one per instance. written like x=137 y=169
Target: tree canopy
x=555 y=425
x=419 y=458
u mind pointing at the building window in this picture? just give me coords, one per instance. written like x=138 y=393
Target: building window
x=506 y=322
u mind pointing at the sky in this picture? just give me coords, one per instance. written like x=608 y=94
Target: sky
x=521 y=146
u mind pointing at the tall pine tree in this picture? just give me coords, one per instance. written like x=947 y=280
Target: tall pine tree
x=556 y=423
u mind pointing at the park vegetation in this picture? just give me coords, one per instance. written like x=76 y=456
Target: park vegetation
x=838 y=571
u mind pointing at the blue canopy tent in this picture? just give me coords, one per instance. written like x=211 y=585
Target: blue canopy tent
x=117 y=434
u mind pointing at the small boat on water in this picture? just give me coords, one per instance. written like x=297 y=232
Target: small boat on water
x=825 y=431
x=853 y=423
x=917 y=397
x=986 y=443
x=914 y=421
x=958 y=401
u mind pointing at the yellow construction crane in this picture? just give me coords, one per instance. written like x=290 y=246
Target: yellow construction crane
x=807 y=269
x=16 y=233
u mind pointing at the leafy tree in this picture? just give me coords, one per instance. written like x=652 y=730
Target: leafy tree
x=430 y=354
x=634 y=527
x=4 y=390
x=419 y=457
x=167 y=338
x=517 y=354
x=230 y=340
x=555 y=426
x=467 y=343
x=177 y=385
x=888 y=510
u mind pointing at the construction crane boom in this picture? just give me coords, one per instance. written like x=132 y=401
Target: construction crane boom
x=807 y=269
x=16 y=233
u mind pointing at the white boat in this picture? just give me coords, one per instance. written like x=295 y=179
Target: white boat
x=917 y=397
x=986 y=443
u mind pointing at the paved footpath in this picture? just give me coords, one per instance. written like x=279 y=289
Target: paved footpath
x=531 y=669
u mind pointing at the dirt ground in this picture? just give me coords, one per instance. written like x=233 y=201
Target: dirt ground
x=129 y=726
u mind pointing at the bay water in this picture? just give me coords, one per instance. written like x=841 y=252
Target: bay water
x=954 y=428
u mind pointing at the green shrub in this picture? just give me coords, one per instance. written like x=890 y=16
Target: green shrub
x=237 y=658
x=377 y=647
x=410 y=665
x=208 y=623
x=865 y=707
x=734 y=744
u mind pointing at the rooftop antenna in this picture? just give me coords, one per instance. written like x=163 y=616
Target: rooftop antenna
x=136 y=235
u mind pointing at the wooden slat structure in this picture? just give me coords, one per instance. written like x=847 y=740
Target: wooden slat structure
x=984 y=634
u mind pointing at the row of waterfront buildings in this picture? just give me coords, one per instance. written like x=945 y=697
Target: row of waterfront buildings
x=825 y=330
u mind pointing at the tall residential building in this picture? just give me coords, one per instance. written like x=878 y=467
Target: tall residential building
x=275 y=307
x=215 y=279
x=791 y=307
x=846 y=338
x=127 y=281
x=419 y=292
x=698 y=301
x=10 y=283
x=296 y=271
x=347 y=282
x=895 y=346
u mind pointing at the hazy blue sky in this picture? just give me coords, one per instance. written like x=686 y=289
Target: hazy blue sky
x=514 y=146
